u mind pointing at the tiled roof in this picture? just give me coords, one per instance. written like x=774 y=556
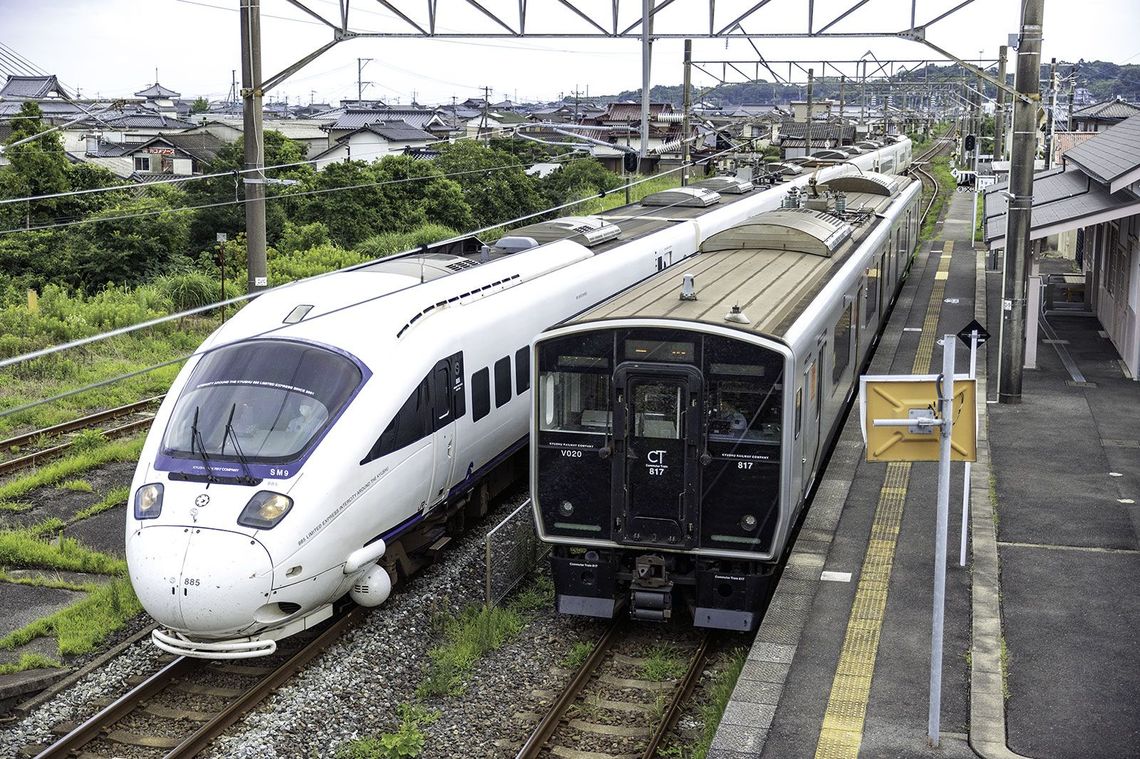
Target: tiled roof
x=201 y=145
x=1109 y=109
x=632 y=111
x=353 y=119
x=1060 y=198
x=1113 y=156
x=140 y=119
x=819 y=131
x=398 y=131
x=30 y=87
x=158 y=91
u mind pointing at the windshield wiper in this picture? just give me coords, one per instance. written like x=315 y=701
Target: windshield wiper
x=196 y=442
x=248 y=478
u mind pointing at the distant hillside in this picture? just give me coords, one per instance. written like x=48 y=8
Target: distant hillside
x=1103 y=80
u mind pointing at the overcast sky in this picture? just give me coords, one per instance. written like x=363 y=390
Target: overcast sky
x=113 y=47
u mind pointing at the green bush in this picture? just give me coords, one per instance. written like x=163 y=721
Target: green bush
x=289 y=267
x=190 y=289
x=379 y=246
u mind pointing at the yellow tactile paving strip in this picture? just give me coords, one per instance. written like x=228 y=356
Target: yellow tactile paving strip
x=842 y=730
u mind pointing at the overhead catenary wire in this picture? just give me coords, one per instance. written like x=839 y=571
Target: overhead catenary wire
x=160 y=320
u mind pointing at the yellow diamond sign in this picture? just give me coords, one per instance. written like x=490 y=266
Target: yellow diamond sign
x=914 y=397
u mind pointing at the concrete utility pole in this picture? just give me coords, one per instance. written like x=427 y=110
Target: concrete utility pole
x=686 y=106
x=842 y=82
x=807 y=128
x=999 y=109
x=1019 y=216
x=1051 y=113
x=360 y=83
x=254 y=176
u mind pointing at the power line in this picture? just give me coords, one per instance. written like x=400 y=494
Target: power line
x=153 y=322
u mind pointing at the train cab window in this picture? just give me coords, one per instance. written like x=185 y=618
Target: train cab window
x=436 y=402
x=480 y=394
x=743 y=396
x=522 y=370
x=271 y=398
x=574 y=384
x=411 y=423
x=502 y=381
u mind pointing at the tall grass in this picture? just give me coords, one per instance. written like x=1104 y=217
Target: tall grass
x=58 y=471
x=84 y=625
x=26 y=548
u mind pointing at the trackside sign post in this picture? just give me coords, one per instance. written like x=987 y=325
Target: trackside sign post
x=924 y=418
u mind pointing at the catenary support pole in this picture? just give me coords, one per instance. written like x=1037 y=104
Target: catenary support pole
x=254 y=176
x=999 y=109
x=946 y=410
x=807 y=127
x=686 y=106
x=646 y=65
x=1019 y=217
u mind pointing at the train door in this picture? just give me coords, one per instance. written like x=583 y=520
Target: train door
x=446 y=381
x=657 y=429
x=811 y=416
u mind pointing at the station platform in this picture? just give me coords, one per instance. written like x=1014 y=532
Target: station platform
x=1041 y=647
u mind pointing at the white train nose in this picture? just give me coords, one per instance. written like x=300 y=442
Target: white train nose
x=207 y=581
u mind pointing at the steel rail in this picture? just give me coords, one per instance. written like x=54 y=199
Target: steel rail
x=549 y=724
x=680 y=696
x=81 y=422
x=258 y=693
x=31 y=459
x=119 y=708
x=98 y=725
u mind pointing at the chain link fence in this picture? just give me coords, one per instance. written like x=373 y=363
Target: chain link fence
x=511 y=550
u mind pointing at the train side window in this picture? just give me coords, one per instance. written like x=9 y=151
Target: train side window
x=841 y=344
x=522 y=370
x=872 y=300
x=502 y=381
x=411 y=423
x=480 y=394
x=799 y=411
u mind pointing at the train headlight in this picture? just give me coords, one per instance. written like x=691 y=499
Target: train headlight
x=265 y=510
x=148 y=501
x=748 y=522
x=565 y=508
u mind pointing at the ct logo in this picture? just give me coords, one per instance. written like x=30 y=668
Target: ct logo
x=201 y=500
x=657 y=457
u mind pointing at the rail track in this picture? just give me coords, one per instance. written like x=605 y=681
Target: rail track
x=604 y=703
x=143 y=411
x=938 y=146
x=178 y=710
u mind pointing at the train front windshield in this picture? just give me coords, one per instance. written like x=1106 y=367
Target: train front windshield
x=267 y=398
x=660 y=437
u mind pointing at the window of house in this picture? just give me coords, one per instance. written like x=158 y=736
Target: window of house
x=480 y=394
x=502 y=381
x=522 y=370
x=142 y=163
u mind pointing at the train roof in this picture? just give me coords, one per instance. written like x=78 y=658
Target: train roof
x=767 y=268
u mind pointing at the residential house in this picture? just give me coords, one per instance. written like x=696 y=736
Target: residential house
x=1100 y=116
x=372 y=142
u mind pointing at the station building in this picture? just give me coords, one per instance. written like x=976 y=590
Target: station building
x=1095 y=192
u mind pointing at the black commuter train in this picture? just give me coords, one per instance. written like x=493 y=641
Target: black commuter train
x=678 y=427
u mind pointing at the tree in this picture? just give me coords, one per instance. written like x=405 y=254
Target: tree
x=229 y=217
x=576 y=180
x=493 y=182
x=200 y=105
x=37 y=167
x=356 y=200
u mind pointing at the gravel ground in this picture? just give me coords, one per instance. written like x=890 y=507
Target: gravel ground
x=354 y=689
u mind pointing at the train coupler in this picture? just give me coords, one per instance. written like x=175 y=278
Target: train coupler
x=651 y=590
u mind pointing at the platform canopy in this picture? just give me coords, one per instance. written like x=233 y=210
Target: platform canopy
x=1091 y=187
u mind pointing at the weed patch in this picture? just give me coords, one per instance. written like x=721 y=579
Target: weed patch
x=577 y=655
x=663 y=663
x=27 y=548
x=58 y=471
x=720 y=693
x=115 y=497
x=78 y=486
x=537 y=596
x=82 y=626
x=467 y=638
x=407 y=741
x=28 y=661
